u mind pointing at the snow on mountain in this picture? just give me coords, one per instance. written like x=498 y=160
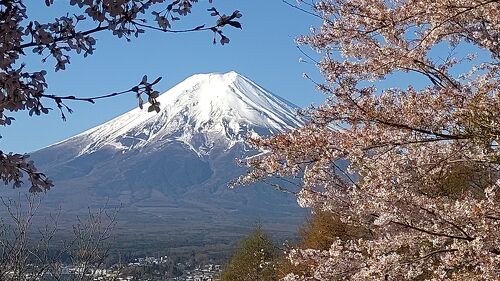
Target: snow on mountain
x=204 y=111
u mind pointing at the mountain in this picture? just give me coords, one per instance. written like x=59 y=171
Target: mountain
x=203 y=111
x=169 y=170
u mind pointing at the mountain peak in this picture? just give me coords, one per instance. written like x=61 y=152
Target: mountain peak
x=211 y=82
x=203 y=112
x=222 y=75
x=217 y=77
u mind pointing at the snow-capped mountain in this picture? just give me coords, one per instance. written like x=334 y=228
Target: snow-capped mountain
x=204 y=111
x=170 y=170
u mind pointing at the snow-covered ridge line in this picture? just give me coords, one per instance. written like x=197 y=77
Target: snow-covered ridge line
x=203 y=111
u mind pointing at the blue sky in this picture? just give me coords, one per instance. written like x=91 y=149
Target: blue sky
x=264 y=51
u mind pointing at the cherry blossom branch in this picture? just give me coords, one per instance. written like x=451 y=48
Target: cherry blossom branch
x=438 y=73
x=64 y=38
x=420 y=130
x=92 y=99
x=454 y=16
x=101 y=28
x=280 y=188
x=198 y=28
x=447 y=221
x=407 y=127
x=373 y=118
x=307 y=55
x=143 y=88
x=301 y=9
x=493 y=218
x=430 y=232
x=432 y=254
x=58 y=99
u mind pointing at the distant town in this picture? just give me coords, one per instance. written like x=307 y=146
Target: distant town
x=140 y=269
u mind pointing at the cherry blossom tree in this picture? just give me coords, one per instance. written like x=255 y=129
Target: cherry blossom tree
x=25 y=90
x=423 y=157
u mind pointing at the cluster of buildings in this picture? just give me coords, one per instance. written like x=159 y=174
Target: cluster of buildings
x=149 y=261
x=209 y=272
x=131 y=272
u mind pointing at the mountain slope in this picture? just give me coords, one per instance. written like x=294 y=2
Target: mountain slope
x=202 y=111
x=170 y=170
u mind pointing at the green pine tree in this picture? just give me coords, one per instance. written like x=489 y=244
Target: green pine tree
x=253 y=260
